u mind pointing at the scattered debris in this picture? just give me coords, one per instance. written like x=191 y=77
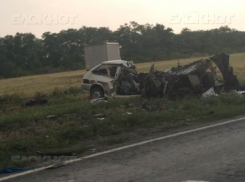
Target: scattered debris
x=210 y=93
x=99 y=100
x=149 y=108
x=188 y=120
x=58 y=165
x=241 y=92
x=33 y=102
x=12 y=170
x=130 y=105
x=234 y=92
x=100 y=117
x=92 y=150
x=127 y=113
x=52 y=117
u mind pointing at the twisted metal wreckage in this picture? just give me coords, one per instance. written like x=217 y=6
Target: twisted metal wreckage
x=192 y=79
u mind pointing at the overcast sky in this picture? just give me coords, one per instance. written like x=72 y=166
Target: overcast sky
x=41 y=16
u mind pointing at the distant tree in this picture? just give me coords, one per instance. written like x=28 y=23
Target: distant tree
x=24 y=54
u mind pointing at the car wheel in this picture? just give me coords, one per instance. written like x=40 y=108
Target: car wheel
x=96 y=93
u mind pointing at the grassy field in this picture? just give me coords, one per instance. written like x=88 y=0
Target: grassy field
x=68 y=123
x=46 y=83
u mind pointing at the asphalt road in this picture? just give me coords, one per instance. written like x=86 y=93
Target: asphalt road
x=213 y=155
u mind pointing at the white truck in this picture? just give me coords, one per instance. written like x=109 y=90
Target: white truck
x=96 y=54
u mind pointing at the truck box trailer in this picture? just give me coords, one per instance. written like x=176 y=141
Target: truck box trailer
x=97 y=54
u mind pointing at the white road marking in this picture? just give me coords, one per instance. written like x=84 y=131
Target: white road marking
x=127 y=147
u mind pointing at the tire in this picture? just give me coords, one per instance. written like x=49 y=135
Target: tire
x=96 y=93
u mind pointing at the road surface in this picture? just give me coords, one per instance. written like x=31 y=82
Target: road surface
x=213 y=155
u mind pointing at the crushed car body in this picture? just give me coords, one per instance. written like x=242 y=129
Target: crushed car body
x=191 y=79
x=112 y=78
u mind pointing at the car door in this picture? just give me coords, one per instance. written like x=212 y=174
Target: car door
x=105 y=75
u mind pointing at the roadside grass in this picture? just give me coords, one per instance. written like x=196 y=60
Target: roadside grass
x=46 y=83
x=73 y=126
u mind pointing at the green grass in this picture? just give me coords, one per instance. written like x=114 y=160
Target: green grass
x=26 y=130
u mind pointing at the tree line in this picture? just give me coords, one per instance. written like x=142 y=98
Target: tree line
x=25 y=54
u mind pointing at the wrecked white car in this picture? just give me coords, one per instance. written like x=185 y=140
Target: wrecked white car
x=117 y=78
x=111 y=79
